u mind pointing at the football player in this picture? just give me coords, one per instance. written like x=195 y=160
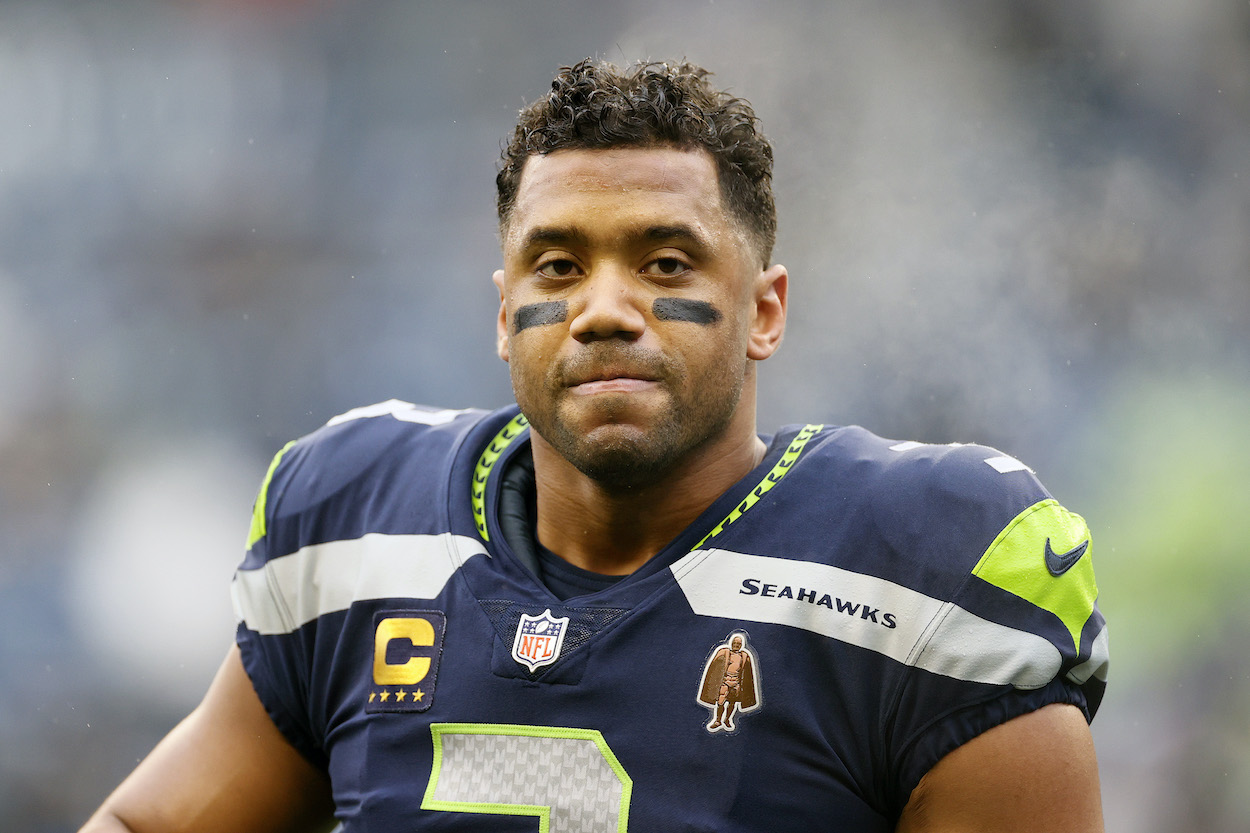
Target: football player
x=518 y=620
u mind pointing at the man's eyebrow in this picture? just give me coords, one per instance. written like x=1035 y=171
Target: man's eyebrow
x=572 y=236
x=679 y=232
x=553 y=236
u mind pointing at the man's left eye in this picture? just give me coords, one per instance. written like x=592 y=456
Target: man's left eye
x=665 y=266
x=558 y=268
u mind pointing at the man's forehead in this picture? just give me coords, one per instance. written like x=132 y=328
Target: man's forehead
x=627 y=165
x=644 y=186
x=565 y=174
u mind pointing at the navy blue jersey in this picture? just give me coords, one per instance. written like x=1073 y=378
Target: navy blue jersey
x=796 y=660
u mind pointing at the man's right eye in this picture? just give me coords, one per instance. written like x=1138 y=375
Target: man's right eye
x=558 y=268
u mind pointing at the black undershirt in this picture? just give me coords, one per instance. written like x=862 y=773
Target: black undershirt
x=567 y=580
x=518 y=506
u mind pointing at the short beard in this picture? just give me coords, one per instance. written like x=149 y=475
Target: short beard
x=622 y=464
x=626 y=463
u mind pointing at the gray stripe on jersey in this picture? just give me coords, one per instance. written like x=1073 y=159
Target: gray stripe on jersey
x=568 y=778
x=292 y=590
x=867 y=611
x=1098 y=662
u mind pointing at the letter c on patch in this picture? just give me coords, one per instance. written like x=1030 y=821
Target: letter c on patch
x=417 y=632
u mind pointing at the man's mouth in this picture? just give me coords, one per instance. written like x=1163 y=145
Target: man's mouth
x=623 y=369
x=614 y=384
x=612 y=380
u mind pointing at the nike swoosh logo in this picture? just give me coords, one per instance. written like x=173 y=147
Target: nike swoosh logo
x=1060 y=562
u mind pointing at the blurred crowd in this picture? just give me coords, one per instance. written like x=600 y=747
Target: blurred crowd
x=1024 y=223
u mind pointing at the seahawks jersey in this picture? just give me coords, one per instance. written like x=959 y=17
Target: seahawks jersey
x=795 y=660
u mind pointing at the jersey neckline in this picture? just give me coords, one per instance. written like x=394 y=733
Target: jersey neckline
x=495 y=452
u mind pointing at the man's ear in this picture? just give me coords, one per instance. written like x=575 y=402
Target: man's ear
x=501 y=325
x=768 y=324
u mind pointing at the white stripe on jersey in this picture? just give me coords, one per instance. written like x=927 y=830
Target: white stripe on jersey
x=295 y=589
x=400 y=410
x=866 y=611
x=1006 y=465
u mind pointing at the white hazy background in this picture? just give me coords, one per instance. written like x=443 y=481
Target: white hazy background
x=1023 y=222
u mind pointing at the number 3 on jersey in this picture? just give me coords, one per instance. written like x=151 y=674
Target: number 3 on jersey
x=568 y=778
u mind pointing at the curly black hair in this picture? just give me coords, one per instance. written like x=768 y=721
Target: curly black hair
x=596 y=105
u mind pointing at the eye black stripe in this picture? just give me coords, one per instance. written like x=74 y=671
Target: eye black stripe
x=685 y=309
x=540 y=314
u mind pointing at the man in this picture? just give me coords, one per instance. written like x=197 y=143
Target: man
x=459 y=620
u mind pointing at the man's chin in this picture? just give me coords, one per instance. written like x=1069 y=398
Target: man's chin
x=627 y=422
x=619 y=455
x=621 y=472
x=611 y=435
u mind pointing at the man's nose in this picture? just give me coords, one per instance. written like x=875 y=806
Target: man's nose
x=609 y=304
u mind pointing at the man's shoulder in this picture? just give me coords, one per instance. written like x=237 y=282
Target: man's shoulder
x=893 y=470
x=395 y=417
x=351 y=470
x=358 y=437
x=947 y=500
x=374 y=439
x=956 y=528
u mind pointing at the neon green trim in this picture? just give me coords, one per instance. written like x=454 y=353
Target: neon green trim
x=258 y=508
x=486 y=462
x=771 y=479
x=542 y=812
x=514 y=428
x=1016 y=562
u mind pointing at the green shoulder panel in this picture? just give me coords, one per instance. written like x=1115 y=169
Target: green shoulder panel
x=258 y=508
x=1045 y=556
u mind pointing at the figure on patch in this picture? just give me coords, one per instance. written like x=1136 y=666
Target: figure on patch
x=729 y=681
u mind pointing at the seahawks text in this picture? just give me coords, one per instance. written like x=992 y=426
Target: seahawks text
x=756 y=587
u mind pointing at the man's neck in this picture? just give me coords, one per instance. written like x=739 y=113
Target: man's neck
x=616 y=531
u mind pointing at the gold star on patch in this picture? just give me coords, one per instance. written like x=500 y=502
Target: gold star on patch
x=400 y=697
x=373 y=695
x=386 y=695
x=418 y=695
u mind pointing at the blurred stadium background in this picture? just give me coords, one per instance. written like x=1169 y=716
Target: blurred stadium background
x=1022 y=222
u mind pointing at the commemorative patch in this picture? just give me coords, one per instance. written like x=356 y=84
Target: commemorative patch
x=539 y=639
x=407 y=646
x=730 y=685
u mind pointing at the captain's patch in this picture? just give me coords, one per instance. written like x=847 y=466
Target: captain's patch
x=407 y=645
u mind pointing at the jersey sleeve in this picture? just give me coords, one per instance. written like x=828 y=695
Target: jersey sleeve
x=292 y=597
x=272 y=641
x=1019 y=627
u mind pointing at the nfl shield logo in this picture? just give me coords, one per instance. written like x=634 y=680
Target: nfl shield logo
x=538 y=639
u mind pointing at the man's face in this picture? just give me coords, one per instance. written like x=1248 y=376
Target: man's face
x=630 y=306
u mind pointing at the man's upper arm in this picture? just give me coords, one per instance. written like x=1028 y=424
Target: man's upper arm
x=226 y=767
x=1036 y=772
